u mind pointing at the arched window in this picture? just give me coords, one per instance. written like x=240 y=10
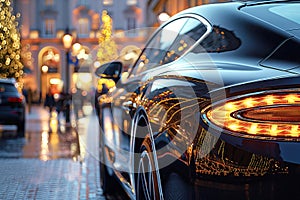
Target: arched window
x=83 y=26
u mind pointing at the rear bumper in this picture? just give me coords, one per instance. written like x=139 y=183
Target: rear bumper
x=267 y=188
x=11 y=117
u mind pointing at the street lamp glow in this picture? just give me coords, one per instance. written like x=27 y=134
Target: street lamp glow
x=76 y=47
x=45 y=68
x=67 y=40
x=97 y=64
x=162 y=17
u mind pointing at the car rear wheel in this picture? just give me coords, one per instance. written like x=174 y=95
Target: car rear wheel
x=148 y=184
x=146 y=181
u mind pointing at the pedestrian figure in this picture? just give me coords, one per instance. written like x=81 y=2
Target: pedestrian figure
x=49 y=101
x=60 y=103
x=77 y=100
x=25 y=94
x=29 y=99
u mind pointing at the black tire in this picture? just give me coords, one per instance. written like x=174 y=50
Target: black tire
x=107 y=181
x=155 y=194
x=171 y=191
x=21 y=129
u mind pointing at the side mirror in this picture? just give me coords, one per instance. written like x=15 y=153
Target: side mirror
x=112 y=70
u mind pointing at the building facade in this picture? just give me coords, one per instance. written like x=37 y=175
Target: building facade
x=43 y=23
x=171 y=7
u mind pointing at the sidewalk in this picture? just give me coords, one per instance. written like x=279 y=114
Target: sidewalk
x=40 y=166
x=86 y=129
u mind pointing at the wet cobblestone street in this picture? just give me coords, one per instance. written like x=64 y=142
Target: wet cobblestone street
x=47 y=163
x=36 y=179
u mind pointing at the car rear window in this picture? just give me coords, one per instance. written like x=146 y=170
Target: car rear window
x=7 y=88
x=283 y=15
x=290 y=12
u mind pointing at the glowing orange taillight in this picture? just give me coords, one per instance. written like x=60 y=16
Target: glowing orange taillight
x=268 y=115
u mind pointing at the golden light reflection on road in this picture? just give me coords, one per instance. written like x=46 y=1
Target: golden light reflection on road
x=45 y=138
x=50 y=139
x=83 y=137
x=44 y=146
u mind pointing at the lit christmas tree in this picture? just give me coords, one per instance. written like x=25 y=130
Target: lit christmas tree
x=107 y=50
x=10 y=45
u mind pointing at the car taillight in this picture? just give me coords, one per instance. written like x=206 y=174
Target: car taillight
x=275 y=115
x=14 y=99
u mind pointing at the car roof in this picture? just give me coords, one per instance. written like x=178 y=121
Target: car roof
x=282 y=14
x=220 y=12
x=259 y=37
x=8 y=80
x=253 y=2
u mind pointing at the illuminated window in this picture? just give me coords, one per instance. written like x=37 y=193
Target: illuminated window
x=49 y=28
x=108 y=2
x=83 y=26
x=131 y=2
x=49 y=2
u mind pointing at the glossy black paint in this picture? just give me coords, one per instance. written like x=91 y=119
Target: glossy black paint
x=170 y=98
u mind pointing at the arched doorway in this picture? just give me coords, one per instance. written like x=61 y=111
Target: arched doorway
x=49 y=63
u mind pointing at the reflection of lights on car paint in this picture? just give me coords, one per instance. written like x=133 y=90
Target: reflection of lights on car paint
x=275 y=115
x=108 y=128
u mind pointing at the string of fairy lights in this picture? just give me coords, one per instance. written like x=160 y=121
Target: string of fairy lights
x=10 y=44
x=107 y=49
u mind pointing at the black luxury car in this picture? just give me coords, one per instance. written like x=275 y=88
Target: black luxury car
x=12 y=106
x=211 y=108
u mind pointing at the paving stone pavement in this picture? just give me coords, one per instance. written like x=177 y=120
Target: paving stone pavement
x=88 y=140
x=37 y=179
x=54 y=179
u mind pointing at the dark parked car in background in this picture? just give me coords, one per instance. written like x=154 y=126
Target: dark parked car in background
x=211 y=108
x=12 y=106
